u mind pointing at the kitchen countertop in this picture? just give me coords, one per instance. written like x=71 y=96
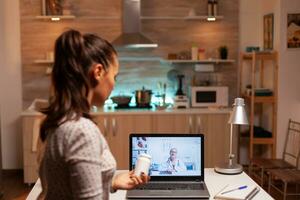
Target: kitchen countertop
x=146 y=111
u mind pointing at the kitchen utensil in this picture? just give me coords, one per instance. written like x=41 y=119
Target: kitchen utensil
x=180 y=99
x=121 y=100
x=143 y=97
x=179 y=90
x=164 y=93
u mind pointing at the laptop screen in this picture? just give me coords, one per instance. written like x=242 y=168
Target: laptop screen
x=177 y=155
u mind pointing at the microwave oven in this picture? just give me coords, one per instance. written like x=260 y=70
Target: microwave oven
x=209 y=96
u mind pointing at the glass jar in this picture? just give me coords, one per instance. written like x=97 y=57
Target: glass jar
x=201 y=54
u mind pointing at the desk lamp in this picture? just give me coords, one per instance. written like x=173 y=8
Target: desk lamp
x=238 y=116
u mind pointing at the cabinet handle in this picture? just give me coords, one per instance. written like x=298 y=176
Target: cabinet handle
x=105 y=126
x=190 y=124
x=199 y=124
x=114 y=126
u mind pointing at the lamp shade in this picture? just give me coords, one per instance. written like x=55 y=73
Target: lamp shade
x=238 y=114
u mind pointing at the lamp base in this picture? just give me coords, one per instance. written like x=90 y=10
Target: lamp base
x=229 y=169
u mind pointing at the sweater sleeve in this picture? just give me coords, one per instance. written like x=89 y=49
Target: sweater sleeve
x=83 y=159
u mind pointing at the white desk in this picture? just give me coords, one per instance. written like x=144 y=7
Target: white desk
x=214 y=182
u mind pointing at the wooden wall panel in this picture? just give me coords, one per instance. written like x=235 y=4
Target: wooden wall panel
x=97 y=8
x=38 y=37
x=173 y=36
x=178 y=35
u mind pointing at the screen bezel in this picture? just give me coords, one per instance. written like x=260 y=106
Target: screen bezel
x=171 y=178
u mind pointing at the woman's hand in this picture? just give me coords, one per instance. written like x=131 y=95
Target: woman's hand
x=128 y=181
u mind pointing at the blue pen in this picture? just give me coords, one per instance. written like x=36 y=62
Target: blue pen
x=239 y=188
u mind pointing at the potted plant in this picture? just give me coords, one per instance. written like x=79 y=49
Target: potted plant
x=223 y=51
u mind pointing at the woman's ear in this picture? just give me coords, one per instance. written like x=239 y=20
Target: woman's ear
x=96 y=74
x=98 y=71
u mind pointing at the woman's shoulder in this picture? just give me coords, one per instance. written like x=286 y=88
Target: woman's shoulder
x=82 y=122
x=81 y=127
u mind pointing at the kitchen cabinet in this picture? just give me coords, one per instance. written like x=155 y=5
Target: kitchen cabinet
x=172 y=123
x=30 y=136
x=142 y=124
x=214 y=127
x=116 y=128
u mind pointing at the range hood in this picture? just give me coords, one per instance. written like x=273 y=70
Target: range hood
x=131 y=36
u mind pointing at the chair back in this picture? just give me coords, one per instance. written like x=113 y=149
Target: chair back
x=291 y=152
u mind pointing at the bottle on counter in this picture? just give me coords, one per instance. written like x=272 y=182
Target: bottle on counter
x=194 y=52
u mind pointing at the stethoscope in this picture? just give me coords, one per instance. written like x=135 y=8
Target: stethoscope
x=171 y=165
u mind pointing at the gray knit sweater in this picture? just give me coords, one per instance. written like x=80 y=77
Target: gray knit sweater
x=77 y=163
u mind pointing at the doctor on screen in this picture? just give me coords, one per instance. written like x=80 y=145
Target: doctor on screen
x=173 y=164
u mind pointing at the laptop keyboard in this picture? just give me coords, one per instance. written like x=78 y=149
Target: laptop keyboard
x=173 y=186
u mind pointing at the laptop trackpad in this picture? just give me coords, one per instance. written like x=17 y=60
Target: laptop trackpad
x=160 y=192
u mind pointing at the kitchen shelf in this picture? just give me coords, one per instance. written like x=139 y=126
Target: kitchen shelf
x=263 y=55
x=263 y=141
x=256 y=60
x=260 y=140
x=99 y=17
x=69 y=17
x=197 y=17
x=139 y=59
x=159 y=59
x=260 y=99
x=161 y=17
x=49 y=17
x=202 y=17
x=214 y=61
x=43 y=61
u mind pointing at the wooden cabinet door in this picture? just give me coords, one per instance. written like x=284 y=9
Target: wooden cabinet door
x=142 y=124
x=200 y=126
x=103 y=124
x=173 y=123
x=164 y=123
x=216 y=137
x=121 y=127
x=31 y=137
x=215 y=129
x=116 y=129
x=219 y=131
x=199 y=123
x=183 y=123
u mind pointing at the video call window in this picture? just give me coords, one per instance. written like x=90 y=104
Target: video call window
x=171 y=156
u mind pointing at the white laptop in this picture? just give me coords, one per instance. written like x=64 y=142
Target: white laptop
x=177 y=166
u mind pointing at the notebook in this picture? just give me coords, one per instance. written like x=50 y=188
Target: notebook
x=177 y=166
x=231 y=191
